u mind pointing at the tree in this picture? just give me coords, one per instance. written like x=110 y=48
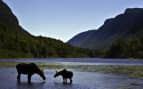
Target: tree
x=117 y=50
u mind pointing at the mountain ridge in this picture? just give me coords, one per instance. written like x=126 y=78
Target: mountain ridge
x=124 y=26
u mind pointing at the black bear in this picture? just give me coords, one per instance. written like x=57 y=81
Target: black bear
x=28 y=69
x=65 y=74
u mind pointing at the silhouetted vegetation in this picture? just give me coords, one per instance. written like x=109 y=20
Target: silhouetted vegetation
x=18 y=45
x=15 y=42
x=131 y=48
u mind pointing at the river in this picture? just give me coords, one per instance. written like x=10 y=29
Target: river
x=81 y=80
x=94 y=61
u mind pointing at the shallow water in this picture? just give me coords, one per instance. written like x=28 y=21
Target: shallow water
x=81 y=80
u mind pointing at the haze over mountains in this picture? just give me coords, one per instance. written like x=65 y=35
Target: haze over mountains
x=124 y=26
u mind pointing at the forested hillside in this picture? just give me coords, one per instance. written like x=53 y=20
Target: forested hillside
x=16 y=42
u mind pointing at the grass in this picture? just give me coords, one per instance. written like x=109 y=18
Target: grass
x=131 y=71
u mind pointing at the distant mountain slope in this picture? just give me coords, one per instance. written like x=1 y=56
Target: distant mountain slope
x=15 y=42
x=81 y=38
x=126 y=25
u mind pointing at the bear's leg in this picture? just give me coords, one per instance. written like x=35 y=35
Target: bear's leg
x=18 y=78
x=64 y=81
x=70 y=81
x=29 y=78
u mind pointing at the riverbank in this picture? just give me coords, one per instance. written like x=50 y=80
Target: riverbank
x=134 y=71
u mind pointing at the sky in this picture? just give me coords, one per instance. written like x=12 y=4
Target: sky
x=63 y=19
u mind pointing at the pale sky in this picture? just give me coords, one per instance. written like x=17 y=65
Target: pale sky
x=62 y=19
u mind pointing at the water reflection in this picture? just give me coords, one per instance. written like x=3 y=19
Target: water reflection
x=25 y=85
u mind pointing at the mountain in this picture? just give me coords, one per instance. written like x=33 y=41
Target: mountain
x=124 y=26
x=16 y=42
